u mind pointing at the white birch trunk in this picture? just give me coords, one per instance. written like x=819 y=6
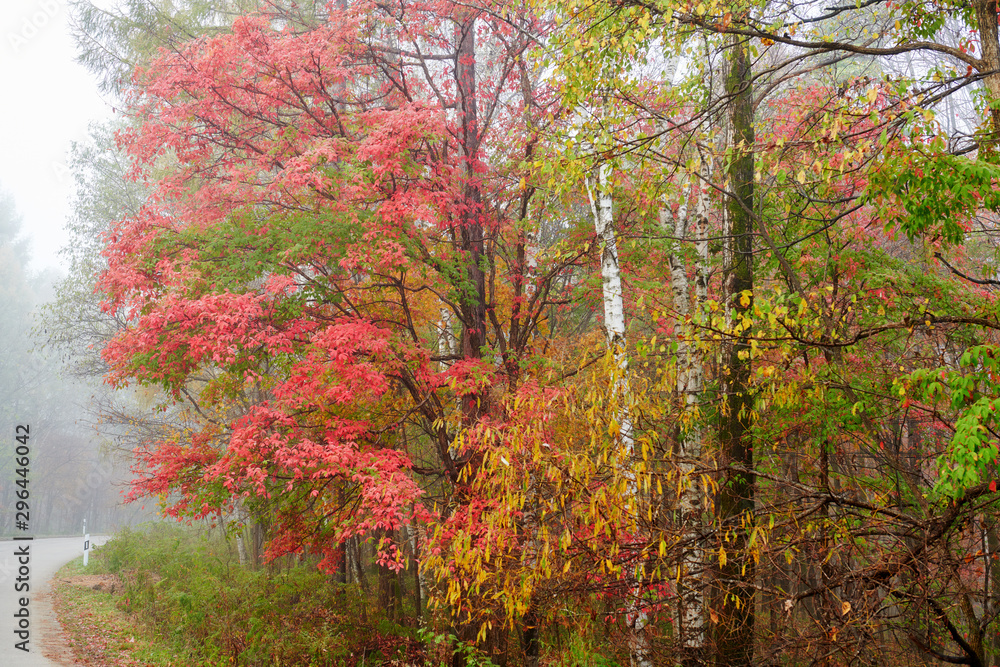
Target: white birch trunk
x=241 y=550
x=240 y=515
x=614 y=323
x=691 y=621
x=446 y=339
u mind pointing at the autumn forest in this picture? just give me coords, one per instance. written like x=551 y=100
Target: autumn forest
x=605 y=332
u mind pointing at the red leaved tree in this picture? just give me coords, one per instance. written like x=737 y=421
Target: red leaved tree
x=337 y=273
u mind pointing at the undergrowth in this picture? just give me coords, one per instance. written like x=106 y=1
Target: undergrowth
x=99 y=633
x=186 y=590
x=182 y=598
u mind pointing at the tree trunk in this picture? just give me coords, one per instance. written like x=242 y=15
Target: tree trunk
x=419 y=586
x=473 y=298
x=986 y=22
x=992 y=643
x=358 y=564
x=614 y=323
x=241 y=550
x=690 y=619
x=470 y=237
x=734 y=598
x=530 y=644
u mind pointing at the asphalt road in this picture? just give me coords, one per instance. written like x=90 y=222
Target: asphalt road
x=44 y=558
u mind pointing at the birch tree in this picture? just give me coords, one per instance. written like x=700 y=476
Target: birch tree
x=686 y=225
x=601 y=203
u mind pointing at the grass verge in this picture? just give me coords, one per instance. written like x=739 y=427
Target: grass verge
x=181 y=600
x=99 y=631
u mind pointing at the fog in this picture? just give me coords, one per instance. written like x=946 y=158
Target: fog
x=48 y=102
x=73 y=472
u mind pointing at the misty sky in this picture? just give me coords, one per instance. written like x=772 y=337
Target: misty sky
x=47 y=103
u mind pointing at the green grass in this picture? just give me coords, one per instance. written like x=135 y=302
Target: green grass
x=185 y=602
x=99 y=631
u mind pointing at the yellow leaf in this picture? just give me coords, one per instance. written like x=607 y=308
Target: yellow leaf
x=722 y=556
x=801 y=177
x=872 y=94
x=845 y=607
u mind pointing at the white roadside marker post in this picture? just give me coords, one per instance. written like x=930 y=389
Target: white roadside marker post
x=86 y=543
